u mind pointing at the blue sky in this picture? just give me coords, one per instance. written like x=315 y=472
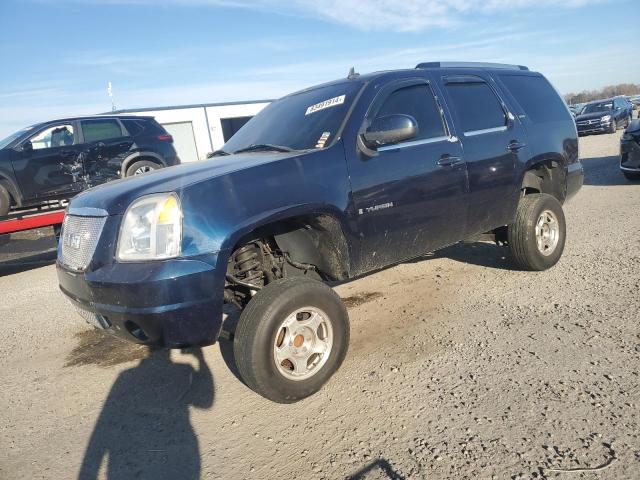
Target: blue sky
x=58 y=55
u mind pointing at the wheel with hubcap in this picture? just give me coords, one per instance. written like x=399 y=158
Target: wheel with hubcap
x=141 y=167
x=292 y=336
x=536 y=236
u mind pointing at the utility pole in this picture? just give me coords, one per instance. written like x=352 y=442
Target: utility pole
x=110 y=92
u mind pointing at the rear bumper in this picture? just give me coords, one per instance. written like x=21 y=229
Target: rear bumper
x=173 y=303
x=575 y=179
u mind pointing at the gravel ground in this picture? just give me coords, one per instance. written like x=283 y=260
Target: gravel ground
x=459 y=367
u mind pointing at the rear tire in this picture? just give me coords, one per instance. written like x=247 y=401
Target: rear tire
x=631 y=175
x=537 y=235
x=5 y=201
x=277 y=333
x=141 y=167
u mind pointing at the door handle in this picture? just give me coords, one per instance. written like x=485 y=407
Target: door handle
x=448 y=161
x=515 y=145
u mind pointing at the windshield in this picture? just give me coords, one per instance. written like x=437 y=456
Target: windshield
x=6 y=141
x=598 y=107
x=305 y=120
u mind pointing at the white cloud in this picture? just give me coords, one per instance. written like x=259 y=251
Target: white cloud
x=391 y=15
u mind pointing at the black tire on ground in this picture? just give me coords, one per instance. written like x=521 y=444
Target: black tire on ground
x=614 y=126
x=143 y=166
x=259 y=334
x=5 y=201
x=631 y=175
x=538 y=216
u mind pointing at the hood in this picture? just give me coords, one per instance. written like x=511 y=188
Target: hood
x=591 y=116
x=116 y=196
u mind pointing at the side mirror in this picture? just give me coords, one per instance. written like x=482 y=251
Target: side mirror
x=26 y=146
x=390 y=129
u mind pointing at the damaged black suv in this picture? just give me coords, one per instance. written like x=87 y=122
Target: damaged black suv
x=57 y=159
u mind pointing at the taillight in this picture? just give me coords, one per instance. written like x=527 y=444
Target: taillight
x=165 y=137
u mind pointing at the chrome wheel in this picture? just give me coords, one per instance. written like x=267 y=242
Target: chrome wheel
x=143 y=169
x=303 y=343
x=547 y=232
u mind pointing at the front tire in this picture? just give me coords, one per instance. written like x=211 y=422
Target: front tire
x=614 y=126
x=537 y=235
x=290 y=339
x=5 y=201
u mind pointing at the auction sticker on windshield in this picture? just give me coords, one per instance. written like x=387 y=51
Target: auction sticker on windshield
x=332 y=102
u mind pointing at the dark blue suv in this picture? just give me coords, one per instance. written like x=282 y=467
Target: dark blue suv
x=323 y=185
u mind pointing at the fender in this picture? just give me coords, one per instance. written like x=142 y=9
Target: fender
x=137 y=155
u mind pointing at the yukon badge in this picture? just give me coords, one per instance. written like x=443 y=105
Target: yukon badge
x=375 y=208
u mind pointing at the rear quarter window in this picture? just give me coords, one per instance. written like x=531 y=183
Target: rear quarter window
x=133 y=127
x=537 y=98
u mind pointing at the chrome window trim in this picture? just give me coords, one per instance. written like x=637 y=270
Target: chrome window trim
x=474 y=133
x=414 y=143
x=87 y=212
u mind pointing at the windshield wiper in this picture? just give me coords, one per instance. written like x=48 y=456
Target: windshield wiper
x=265 y=146
x=217 y=153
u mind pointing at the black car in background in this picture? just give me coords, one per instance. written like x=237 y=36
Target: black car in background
x=630 y=151
x=604 y=116
x=57 y=159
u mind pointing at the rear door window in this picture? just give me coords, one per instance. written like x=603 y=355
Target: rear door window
x=417 y=101
x=537 y=97
x=97 y=130
x=476 y=105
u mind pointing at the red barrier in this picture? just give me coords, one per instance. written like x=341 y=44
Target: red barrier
x=31 y=222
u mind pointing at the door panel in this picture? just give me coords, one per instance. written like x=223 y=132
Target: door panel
x=106 y=147
x=410 y=198
x=52 y=167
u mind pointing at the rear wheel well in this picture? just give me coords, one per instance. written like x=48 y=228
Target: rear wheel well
x=548 y=177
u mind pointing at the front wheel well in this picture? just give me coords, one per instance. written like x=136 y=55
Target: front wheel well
x=303 y=245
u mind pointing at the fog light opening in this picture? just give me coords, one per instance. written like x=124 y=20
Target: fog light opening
x=135 y=330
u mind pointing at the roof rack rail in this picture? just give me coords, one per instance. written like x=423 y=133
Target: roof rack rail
x=502 y=66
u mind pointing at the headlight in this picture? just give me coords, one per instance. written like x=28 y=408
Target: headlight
x=606 y=119
x=152 y=229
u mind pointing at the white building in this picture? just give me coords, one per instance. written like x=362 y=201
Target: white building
x=200 y=129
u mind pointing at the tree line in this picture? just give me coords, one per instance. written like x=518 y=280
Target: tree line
x=605 y=92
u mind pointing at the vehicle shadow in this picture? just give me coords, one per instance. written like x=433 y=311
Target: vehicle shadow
x=144 y=430
x=603 y=171
x=483 y=254
x=26 y=263
x=380 y=466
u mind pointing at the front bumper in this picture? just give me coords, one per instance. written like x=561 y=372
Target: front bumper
x=172 y=303
x=599 y=127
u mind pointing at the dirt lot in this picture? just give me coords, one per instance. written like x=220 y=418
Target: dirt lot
x=459 y=367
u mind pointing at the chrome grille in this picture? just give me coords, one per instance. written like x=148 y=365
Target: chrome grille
x=80 y=236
